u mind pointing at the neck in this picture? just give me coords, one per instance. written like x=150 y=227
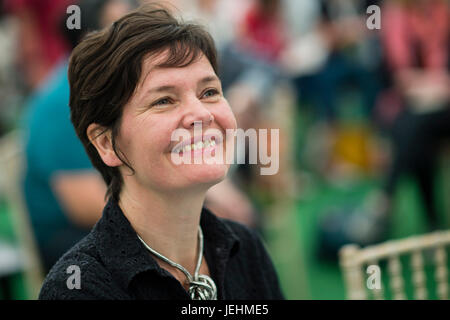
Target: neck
x=168 y=223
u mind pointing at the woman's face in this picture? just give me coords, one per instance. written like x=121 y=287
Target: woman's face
x=167 y=99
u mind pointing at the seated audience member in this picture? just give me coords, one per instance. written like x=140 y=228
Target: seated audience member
x=156 y=240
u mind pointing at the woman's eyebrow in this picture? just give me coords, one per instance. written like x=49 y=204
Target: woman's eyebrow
x=207 y=79
x=166 y=88
x=162 y=89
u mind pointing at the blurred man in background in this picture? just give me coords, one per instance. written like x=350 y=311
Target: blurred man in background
x=63 y=193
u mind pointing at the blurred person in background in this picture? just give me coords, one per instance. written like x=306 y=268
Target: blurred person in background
x=63 y=193
x=347 y=51
x=40 y=42
x=333 y=56
x=415 y=105
x=263 y=30
x=221 y=17
x=32 y=45
x=12 y=88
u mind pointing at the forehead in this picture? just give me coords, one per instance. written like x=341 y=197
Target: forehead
x=154 y=70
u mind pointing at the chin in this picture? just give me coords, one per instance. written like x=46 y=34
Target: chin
x=209 y=175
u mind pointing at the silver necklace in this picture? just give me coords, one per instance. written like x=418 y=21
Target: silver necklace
x=201 y=287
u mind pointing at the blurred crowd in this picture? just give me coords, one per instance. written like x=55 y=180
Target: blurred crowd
x=349 y=102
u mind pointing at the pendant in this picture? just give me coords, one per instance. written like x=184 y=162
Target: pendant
x=203 y=288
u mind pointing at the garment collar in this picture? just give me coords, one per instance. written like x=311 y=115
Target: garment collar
x=125 y=256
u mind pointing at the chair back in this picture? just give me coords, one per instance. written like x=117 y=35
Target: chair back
x=422 y=250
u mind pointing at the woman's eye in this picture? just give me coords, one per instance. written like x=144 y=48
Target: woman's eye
x=162 y=101
x=210 y=93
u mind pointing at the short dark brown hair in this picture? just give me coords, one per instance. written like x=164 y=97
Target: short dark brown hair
x=105 y=68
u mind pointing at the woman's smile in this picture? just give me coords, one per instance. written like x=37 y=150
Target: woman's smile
x=204 y=145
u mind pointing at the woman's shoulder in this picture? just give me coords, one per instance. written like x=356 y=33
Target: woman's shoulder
x=250 y=239
x=239 y=229
x=253 y=259
x=79 y=274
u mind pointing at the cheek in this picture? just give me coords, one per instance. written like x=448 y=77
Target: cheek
x=225 y=117
x=142 y=139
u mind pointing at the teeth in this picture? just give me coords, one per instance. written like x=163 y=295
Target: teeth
x=199 y=145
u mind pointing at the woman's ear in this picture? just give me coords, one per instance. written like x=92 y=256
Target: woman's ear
x=101 y=139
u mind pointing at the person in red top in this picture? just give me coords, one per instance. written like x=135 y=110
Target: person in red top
x=416 y=106
x=41 y=44
x=415 y=34
x=262 y=32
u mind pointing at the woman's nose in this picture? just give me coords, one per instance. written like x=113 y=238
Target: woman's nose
x=196 y=113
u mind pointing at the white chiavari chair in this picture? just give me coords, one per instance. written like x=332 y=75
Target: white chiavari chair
x=419 y=251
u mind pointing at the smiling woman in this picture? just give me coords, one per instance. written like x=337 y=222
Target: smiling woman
x=132 y=85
